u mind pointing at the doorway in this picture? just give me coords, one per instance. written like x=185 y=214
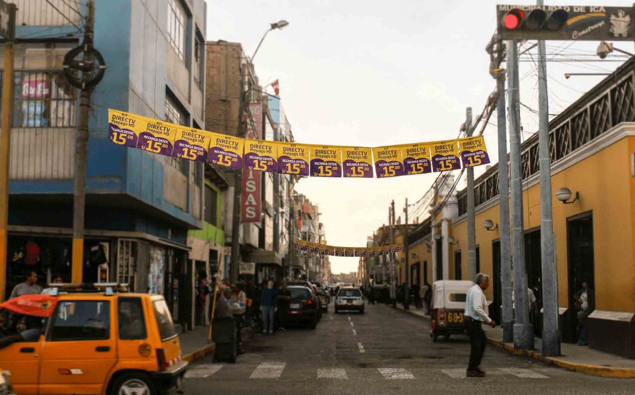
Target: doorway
x=580 y=264
x=497 y=305
x=457 y=265
x=415 y=274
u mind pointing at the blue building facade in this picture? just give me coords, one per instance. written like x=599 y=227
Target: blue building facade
x=139 y=207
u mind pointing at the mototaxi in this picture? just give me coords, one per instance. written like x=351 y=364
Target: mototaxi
x=448 y=307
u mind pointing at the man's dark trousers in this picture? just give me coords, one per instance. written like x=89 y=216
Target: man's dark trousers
x=478 y=341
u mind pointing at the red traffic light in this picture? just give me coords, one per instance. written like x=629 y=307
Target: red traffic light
x=513 y=19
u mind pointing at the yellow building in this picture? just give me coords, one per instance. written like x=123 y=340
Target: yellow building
x=593 y=156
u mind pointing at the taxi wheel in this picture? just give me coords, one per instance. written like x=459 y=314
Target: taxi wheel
x=133 y=383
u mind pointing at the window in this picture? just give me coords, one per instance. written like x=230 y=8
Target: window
x=177 y=27
x=174 y=115
x=164 y=320
x=457 y=265
x=132 y=324
x=299 y=294
x=478 y=259
x=457 y=297
x=350 y=293
x=211 y=203
x=199 y=53
x=81 y=320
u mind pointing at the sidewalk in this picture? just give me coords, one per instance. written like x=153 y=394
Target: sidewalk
x=195 y=345
x=574 y=357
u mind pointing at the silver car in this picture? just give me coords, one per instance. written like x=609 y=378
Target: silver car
x=349 y=298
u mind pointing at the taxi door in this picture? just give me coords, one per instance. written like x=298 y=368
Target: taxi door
x=80 y=347
x=23 y=361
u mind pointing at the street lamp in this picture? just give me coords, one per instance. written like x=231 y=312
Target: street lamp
x=281 y=24
x=235 y=247
x=564 y=194
x=489 y=225
x=606 y=48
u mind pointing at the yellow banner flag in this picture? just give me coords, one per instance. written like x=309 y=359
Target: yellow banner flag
x=388 y=161
x=473 y=151
x=191 y=144
x=445 y=155
x=293 y=159
x=416 y=158
x=261 y=155
x=156 y=136
x=123 y=128
x=226 y=151
x=326 y=161
x=358 y=162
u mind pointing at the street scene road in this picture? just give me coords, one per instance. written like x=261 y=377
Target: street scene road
x=383 y=351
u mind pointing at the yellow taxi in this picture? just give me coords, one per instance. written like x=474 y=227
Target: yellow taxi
x=99 y=340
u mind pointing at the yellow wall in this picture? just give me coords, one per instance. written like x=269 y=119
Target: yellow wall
x=606 y=189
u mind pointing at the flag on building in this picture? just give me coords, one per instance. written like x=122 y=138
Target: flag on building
x=276 y=87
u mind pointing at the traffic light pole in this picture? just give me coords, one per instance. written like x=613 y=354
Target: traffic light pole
x=550 y=336
x=505 y=242
x=523 y=330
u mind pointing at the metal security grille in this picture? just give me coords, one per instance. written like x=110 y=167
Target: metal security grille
x=43 y=99
x=126 y=261
x=608 y=104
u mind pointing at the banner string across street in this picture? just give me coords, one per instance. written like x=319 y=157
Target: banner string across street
x=333 y=161
x=324 y=249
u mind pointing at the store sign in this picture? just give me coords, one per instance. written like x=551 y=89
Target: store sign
x=247 y=268
x=251 y=197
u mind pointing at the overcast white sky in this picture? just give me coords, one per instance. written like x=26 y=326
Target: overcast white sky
x=373 y=73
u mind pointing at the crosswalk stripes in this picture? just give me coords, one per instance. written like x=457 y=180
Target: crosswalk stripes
x=332 y=373
x=203 y=371
x=274 y=370
x=268 y=370
x=396 y=374
x=524 y=373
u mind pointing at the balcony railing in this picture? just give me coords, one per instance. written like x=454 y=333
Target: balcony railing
x=609 y=103
x=43 y=99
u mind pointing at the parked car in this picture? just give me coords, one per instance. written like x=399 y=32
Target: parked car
x=303 y=306
x=97 y=340
x=349 y=299
x=448 y=306
x=314 y=291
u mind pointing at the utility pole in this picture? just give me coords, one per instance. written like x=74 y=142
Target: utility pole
x=81 y=151
x=471 y=209
x=406 y=296
x=393 y=280
x=550 y=335
x=5 y=140
x=505 y=242
x=523 y=330
x=234 y=264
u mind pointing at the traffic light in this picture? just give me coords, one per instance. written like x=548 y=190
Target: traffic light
x=535 y=20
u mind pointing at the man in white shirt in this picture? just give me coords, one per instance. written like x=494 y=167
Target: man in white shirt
x=477 y=313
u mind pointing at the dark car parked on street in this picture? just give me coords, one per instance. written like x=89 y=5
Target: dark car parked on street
x=304 y=306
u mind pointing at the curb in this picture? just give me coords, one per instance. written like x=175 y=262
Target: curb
x=593 y=370
x=208 y=349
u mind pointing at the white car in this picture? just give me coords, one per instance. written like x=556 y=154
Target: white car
x=349 y=298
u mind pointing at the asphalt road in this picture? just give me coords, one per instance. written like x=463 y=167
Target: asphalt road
x=381 y=352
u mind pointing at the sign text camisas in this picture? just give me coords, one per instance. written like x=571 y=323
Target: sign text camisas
x=326 y=161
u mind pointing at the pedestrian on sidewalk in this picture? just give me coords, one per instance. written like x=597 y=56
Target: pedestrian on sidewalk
x=585 y=304
x=427 y=297
x=269 y=307
x=416 y=295
x=476 y=314
x=29 y=287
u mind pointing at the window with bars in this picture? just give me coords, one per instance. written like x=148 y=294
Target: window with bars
x=177 y=27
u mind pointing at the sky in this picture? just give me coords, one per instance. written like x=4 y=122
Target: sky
x=373 y=73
